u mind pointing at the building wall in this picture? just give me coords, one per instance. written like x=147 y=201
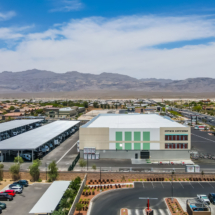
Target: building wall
x=94 y=137
x=126 y=139
x=175 y=131
x=157 y=155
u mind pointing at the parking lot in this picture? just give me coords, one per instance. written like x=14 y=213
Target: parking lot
x=62 y=154
x=111 y=202
x=23 y=203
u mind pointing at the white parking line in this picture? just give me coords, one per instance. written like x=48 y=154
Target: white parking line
x=152 y=185
x=137 y=212
x=181 y=185
x=191 y=185
x=143 y=184
x=66 y=153
x=203 y=137
x=162 y=184
x=211 y=185
x=201 y=185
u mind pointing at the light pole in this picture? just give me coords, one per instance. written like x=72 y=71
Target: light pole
x=87 y=161
x=173 y=172
x=46 y=169
x=100 y=179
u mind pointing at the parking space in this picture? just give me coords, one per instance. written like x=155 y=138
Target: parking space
x=111 y=203
x=23 y=203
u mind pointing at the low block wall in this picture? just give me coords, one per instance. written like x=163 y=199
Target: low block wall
x=110 y=175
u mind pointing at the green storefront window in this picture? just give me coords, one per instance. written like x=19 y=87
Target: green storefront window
x=118 y=147
x=118 y=136
x=146 y=136
x=136 y=136
x=127 y=136
x=127 y=146
x=136 y=146
x=146 y=146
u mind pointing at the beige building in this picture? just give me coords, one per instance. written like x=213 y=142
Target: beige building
x=140 y=136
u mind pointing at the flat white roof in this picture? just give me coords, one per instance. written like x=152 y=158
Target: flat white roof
x=51 y=198
x=6 y=126
x=131 y=121
x=37 y=137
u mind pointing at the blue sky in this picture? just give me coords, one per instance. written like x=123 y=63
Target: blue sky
x=140 y=38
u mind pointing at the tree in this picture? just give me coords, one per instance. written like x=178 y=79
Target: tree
x=78 y=207
x=12 y=108
x=95 y=104
x=14 y=170
x=53 y=171
x=59 y=212
x=202 y=173
x=18 y=160
x=85 y=103
x=82 y=163
x=197 y=108
x=34 y=170
x=1 y=171
x=94 y=166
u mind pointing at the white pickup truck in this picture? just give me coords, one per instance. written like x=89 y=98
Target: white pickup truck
x=203 y=198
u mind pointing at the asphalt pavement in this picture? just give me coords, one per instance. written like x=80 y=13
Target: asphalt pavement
x=23 y=203
x=112 y=201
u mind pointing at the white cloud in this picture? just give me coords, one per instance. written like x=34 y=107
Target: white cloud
x=67 y=5
x=123 y=45
x=7 y=15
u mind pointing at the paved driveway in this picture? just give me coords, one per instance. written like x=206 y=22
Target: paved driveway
x=111 y=202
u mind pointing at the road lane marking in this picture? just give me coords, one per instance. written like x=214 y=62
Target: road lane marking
x=162 y=184
x=210 y=184
x=201 y=185
x=152 y=185
x=181 y=185
x=203 y=138
x=66 y=153
x=191 y=186
x=143 y=184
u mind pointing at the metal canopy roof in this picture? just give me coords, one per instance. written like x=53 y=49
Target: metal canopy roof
x=51 y=198
x=37 y=137
x=6 y=126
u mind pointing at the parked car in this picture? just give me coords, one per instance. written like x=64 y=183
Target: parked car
x=10 y=192
x=16 y=188
x=211 y=197
x=38 y=155
x=26 y=156
x=2 y=205
x=194 y=208
x=23 y=183
x=16 y=184
x=203 y=198
x=5 y=196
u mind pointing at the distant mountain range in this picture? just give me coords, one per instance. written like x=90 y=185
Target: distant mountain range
x=46 y=81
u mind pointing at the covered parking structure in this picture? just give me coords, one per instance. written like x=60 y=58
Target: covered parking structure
x=41 y=139
x=51 y=198
x=15 y=127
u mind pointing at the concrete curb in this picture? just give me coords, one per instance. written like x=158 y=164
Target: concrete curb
x=104 y=192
